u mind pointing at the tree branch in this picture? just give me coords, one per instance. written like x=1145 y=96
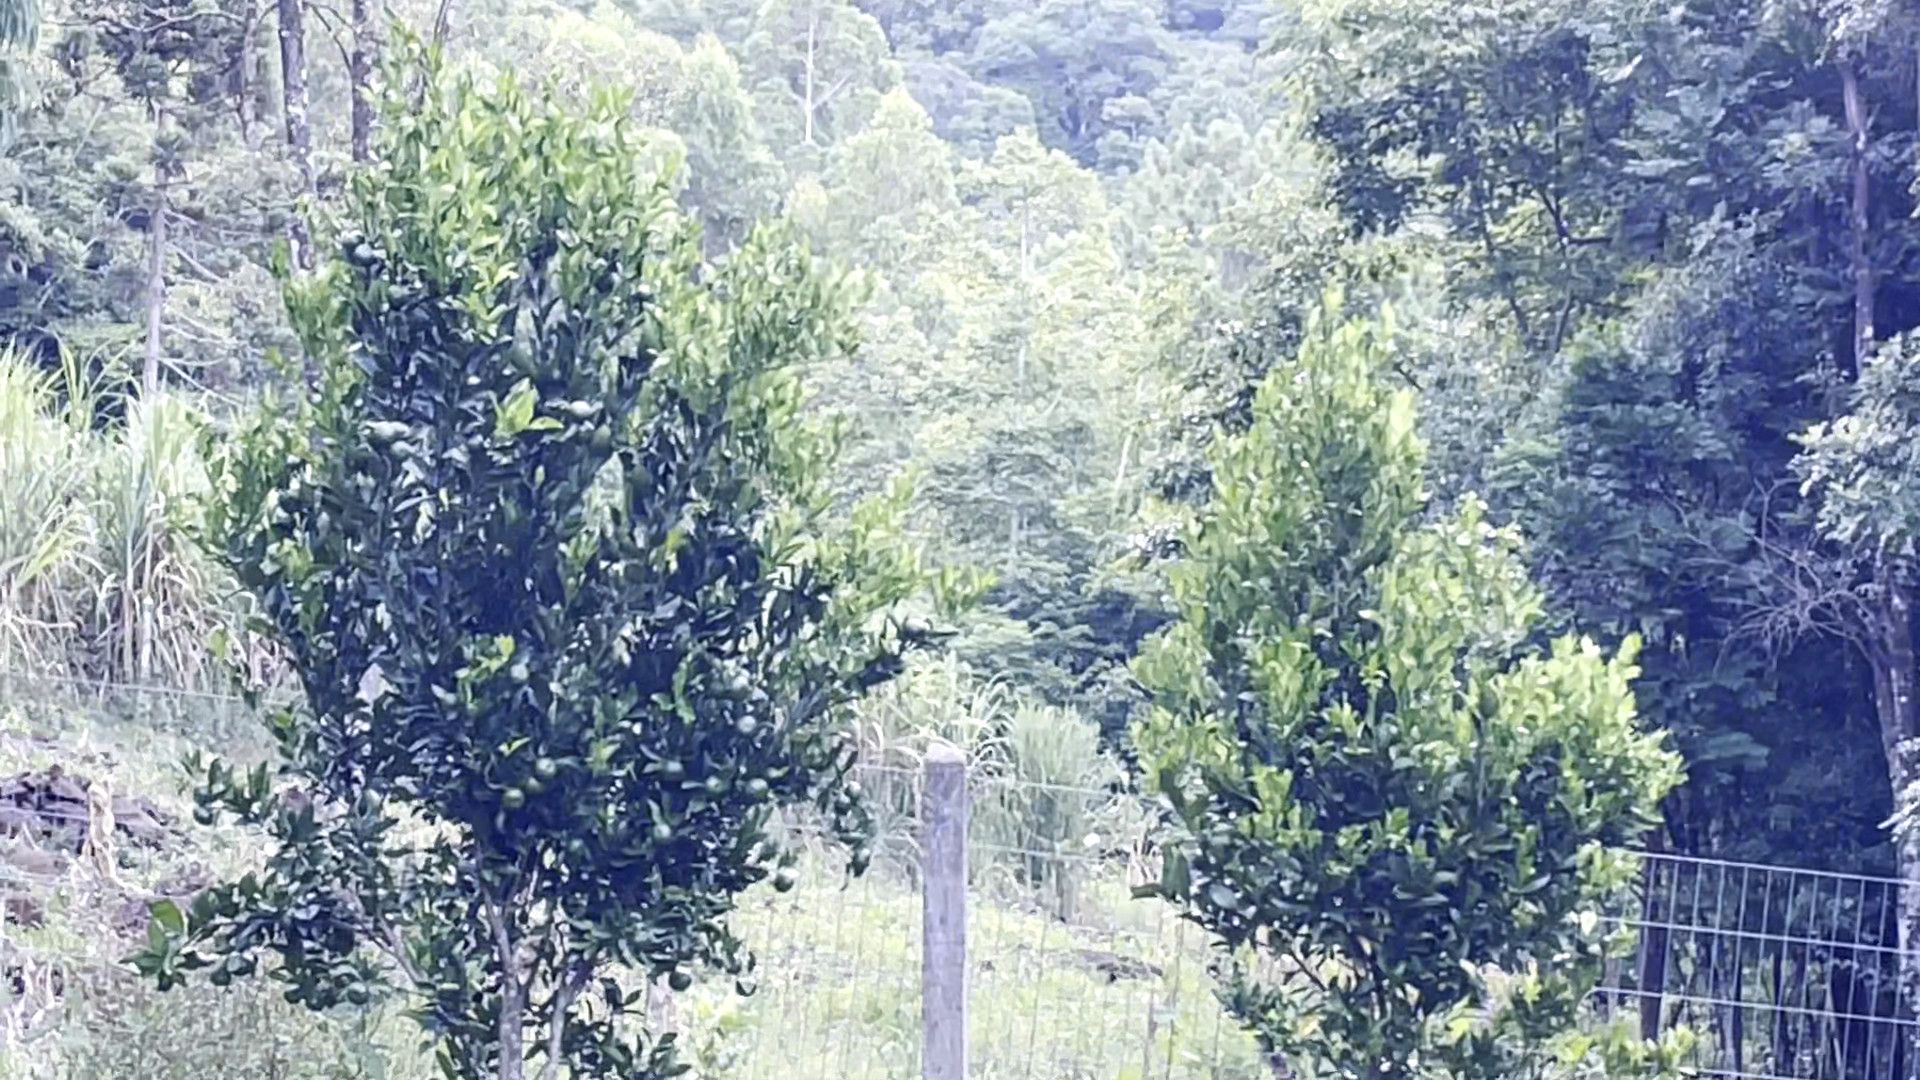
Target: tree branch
x=563 y=998
x=503 y=945
x=821 y=101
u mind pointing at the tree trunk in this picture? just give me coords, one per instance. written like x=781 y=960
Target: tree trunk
x=806 y=101
x=1860 y=266
x=360 y=63
x=1782 y=1047
x=1651 y=979
x=1026 y=294
x=510 y=1027
x=293 y=104
x=156 y=272
x=1737 y=1014
x=1894 y=701
x=513 y=1046
x=1892 y=656
x=247 y=76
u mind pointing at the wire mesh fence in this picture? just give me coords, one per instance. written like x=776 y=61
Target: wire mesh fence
x=1069 y=976
x=1780 y=973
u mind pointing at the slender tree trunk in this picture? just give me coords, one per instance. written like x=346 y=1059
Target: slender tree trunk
x=1782 y=1049
x=156 y=271
x=1893 y=656
x=360 y=64
x=1652 y=977
x=513 y=1045
x=1026 y=296
x=1015 y=523
x=293 y=104
x=1894 y=701
x=156 y=289
x=1737 y=1015
x=1860 y=265
x=1120 y=471
x=806 y=100
x=248 y=76
x=510 y=1025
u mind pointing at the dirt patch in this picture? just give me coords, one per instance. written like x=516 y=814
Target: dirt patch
x=1115 y=966
x=54 y=809
x=51 y=819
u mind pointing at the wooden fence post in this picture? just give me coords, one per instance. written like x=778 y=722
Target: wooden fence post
x=943 y=918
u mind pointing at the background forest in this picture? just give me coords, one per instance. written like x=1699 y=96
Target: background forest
x=1650 y=271
x=1626 y=253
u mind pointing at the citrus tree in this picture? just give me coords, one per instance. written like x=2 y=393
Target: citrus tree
x=1396 y=810
x=545 y=545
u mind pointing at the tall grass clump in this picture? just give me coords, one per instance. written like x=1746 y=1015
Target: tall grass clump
x=45 y=524
x=1054 y=813
x=157 y=599
x=100 y=578
x=1047 y=802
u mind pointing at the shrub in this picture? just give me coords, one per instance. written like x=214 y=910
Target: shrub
x=546 y=546
x=1372 y=775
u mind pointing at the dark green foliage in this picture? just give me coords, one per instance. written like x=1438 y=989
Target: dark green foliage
x=1652 y=210
x=1075 y=61
x=1095 y=78
x=1503 y=122
x=965 y=110
x=544 y=546
x=1658 y=491
x=1381 y=794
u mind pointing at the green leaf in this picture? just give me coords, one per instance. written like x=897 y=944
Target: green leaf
x=515 y=412
x=167 y=915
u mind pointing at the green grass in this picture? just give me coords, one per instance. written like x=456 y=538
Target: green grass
x=98 y=575
x=1122 y=992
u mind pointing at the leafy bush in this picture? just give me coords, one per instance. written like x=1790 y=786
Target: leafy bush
x=128 y=1032
x=1372 y=775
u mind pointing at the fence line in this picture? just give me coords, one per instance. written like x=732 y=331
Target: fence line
x=1782 y=973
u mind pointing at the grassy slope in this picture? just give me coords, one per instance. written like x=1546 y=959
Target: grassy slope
x=839 y=989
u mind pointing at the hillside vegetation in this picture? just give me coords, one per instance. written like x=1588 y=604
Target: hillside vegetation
x=497 y=497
